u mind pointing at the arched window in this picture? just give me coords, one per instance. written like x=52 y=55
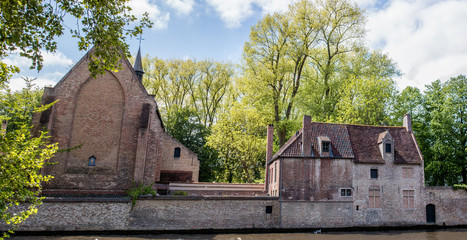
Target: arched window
x=177 y=152
x=92 y=161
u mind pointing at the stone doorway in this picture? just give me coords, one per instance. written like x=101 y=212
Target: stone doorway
x=430 y=213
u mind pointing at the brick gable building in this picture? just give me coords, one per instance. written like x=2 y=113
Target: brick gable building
x=377 y=168
x=114 y=130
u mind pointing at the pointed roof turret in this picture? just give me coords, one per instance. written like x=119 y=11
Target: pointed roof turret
x=138 y=67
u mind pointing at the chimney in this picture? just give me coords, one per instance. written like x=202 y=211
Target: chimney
x=4 y=125
x=407 y=122
x=270 y=137
x=306 y=136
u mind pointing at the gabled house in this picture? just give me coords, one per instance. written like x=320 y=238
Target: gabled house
x=379 y=169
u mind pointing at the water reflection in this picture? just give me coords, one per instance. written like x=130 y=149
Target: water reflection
x=451 y=234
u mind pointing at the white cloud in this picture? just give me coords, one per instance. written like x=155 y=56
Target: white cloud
x=183 y=7
x=18 y=83
x=139 y=7
x=234 y=12
x=50 y=59
x=56 y=59
x=426 y=38
x=271 y=6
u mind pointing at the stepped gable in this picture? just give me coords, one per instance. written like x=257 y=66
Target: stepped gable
x=365 y=141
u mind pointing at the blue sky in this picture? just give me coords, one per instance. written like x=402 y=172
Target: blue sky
x=427 y=38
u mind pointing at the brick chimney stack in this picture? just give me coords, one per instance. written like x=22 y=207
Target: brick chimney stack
x=306 y=136
x=407 y=122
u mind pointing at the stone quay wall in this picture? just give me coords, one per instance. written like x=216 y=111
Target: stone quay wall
x=173 y=213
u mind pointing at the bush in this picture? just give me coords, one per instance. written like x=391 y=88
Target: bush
x=180 y=193
x=460 y=186
x=139 y=190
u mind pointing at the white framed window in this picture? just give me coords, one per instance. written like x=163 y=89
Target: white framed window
x=374 y=197
x=408 y=199
x=346 y=192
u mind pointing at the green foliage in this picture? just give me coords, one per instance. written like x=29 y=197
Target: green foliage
x=183 y=125
x=180 y=193
x=439 y=124
x=199 y=85
x=307 y=43
x=446 y=114
x=460 y=186
x=22 y=156
x=29 y=27
x=239 y=139
x=191 y=94
x=139 y=190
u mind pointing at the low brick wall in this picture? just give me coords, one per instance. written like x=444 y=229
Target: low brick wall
x=171 y=213
x=154 y=213
x=450 y=205
x=186 y=213
x=309 y=214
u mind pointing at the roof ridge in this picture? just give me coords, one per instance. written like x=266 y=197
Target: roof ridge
x=362 y=125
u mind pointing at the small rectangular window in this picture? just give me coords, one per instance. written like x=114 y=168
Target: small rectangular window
x=177 y=152
x=374 y=199
x=268 y=209
x=326 y=146
x=388 y=148
x=408 y=199
x=346 y=192
x=374 y=173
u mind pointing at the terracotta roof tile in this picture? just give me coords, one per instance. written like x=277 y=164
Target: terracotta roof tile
x=365 y=144
x=337 y=134
x=355 y=141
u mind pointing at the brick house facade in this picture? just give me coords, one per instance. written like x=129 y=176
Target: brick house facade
x=113 y=130
x=378 y=169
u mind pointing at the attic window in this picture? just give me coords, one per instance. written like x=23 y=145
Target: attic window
x=326 y=146
x=388 y=148
x=177 y=152
x=92 y=161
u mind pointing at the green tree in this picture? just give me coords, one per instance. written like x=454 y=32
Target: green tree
x=239 y=139
x=446 y=108
x=309 y=39
x=367 y=91
x=183 y=125
x=22 y=156
x=28 y=27
x=201 y=85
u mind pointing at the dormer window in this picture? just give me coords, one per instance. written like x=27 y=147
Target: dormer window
x=326 y=146
x=388 y=148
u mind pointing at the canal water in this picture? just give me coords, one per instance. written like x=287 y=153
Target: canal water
x=451 y=234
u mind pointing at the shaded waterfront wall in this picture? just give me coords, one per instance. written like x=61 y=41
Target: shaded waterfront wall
x=198 y=213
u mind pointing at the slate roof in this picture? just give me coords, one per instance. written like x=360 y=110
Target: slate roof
x=359 y=142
